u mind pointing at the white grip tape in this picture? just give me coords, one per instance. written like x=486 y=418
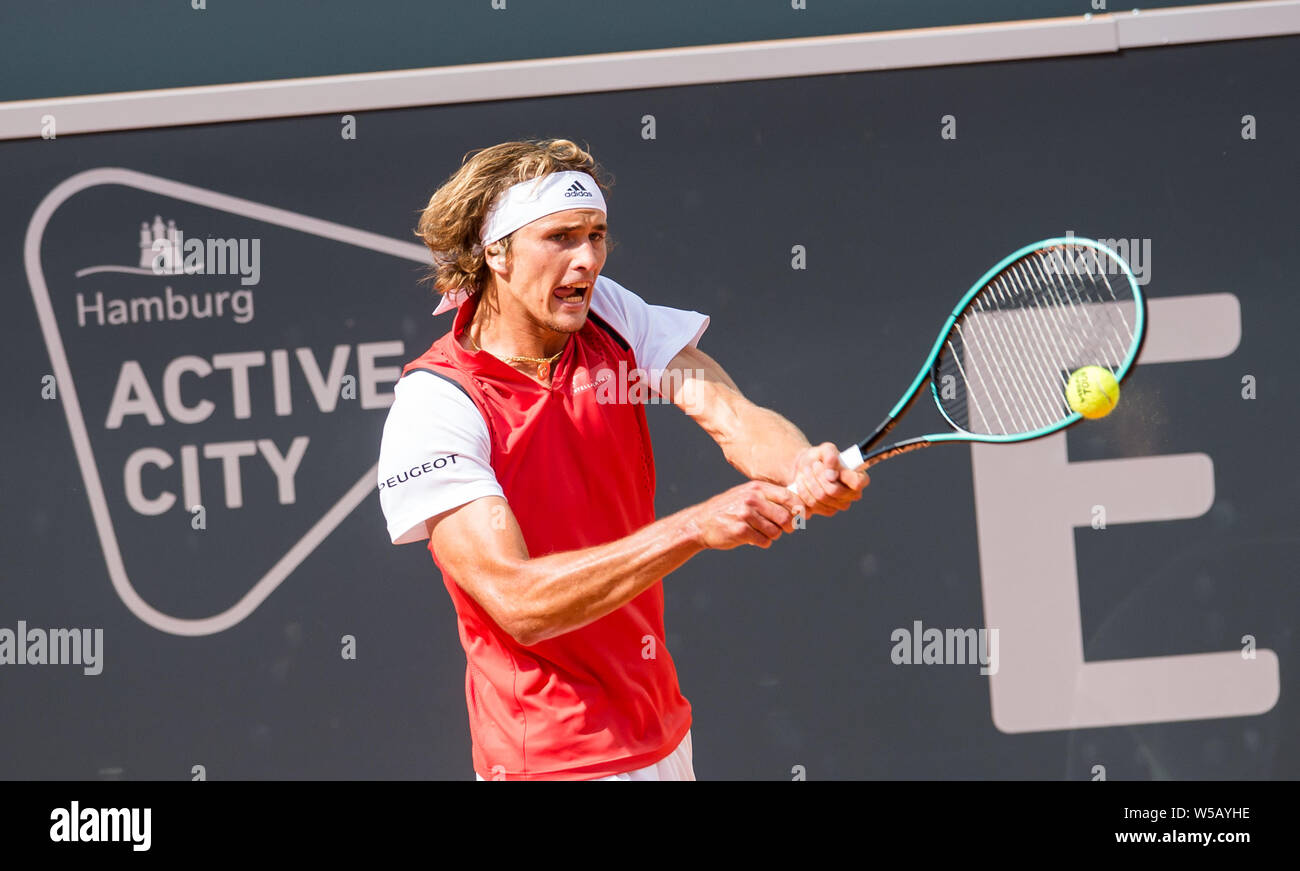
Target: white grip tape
x=850 y=458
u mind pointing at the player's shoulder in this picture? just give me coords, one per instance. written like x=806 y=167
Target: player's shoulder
x=610 y=297
x=428 y=384
x=424 y=398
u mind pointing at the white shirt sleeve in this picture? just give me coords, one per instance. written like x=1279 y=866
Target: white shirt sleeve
x=435 y=455
x=656 y=333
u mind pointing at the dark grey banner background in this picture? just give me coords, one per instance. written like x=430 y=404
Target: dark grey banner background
x=784 y=653
x=134 y=45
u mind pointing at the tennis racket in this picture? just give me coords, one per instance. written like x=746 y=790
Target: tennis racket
x=1000 y=366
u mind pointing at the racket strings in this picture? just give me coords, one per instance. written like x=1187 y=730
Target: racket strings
x=1009 y=355
x=1028 y=413
x=1071 y=273
x=1031 y=356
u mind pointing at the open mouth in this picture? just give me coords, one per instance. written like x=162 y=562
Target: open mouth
x=575 y=293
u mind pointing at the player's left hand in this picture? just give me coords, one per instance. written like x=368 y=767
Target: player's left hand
x=823 y=484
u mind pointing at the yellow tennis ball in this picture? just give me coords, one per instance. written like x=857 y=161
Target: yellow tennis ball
x=1092 y=391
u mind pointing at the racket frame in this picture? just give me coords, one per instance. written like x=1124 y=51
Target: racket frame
x=860 y=455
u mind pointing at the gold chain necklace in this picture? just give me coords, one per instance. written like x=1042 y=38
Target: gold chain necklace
x=543 y=363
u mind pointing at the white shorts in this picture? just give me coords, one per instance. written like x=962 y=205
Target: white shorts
x=677 y=765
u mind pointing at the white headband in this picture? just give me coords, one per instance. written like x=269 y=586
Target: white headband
x=537 y=198
x=526 y=202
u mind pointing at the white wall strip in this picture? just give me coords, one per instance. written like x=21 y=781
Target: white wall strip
x=937 y=46
x=1208 y=23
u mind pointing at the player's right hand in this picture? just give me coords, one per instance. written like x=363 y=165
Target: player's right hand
x=752 y=513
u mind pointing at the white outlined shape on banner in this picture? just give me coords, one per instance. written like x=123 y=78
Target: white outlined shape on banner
x=1029 y=501
x=321 y=529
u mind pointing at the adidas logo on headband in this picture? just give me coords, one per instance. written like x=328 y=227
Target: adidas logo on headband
x=534 y=198
x=577 y=190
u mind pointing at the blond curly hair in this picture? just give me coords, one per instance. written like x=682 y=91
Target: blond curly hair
x=451 y=223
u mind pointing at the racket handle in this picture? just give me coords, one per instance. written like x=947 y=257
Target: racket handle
x=850 y=458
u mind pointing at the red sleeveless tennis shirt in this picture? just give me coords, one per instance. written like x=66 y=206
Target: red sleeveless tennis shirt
x=577 y=472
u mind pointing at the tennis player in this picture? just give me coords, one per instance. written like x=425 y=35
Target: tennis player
x=518 y=446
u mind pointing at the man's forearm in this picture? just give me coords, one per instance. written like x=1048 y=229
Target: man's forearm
x=561 y=592
x=759 y=442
